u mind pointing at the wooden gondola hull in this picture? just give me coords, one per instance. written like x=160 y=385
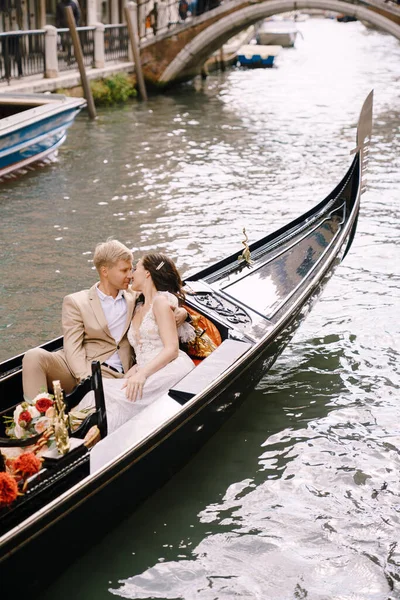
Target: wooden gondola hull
x=88 y=514
x=100 y=503
x=257 y=305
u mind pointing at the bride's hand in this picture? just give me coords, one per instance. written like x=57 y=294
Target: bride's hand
x=131 y=372
x=134 y=386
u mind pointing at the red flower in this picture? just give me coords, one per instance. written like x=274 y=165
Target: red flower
x=8 y=489
x=27 y=464
x=43 y=404
x=25 y=416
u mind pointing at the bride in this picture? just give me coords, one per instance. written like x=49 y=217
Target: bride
x=154 y=338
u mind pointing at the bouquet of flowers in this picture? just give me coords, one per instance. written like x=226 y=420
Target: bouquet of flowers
x=31 y=417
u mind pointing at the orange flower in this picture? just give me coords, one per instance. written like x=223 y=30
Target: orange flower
x=27 y=464
x=8 y=489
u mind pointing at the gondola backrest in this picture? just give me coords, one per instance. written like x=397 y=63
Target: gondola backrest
x=93 y=383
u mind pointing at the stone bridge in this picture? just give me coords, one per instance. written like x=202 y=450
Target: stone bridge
x=179 y=54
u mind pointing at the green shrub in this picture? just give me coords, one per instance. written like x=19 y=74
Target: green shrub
x=114 y=89
x=101 y=93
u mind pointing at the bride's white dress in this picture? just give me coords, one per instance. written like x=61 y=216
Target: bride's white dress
x=147 y=343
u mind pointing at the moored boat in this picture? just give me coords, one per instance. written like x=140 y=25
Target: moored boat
x=256 y=299
x=32 y=127
x=254 y=55
x=281 y=33
x=345 y=18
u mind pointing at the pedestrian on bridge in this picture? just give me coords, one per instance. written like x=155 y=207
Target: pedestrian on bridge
x=61 y=19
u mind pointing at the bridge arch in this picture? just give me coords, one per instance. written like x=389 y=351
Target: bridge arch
x=190 y=59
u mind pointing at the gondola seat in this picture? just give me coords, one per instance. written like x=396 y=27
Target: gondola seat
x=138 y=428
x=208 y=370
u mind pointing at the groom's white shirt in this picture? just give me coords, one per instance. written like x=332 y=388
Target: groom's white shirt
x=87 y=336
x=115 y=310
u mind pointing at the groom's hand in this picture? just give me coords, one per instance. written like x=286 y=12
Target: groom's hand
x=180 y=315
x=131 y=372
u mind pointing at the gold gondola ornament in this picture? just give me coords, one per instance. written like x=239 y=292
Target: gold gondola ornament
x=246 y=254
x=60 y=420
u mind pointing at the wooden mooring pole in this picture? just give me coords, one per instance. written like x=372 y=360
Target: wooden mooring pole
x=131 y=20
x=79 y=59
x=222 y=65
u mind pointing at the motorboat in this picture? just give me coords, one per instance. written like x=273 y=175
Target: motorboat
x=255 y=55
x=32 y=128
x=280 y=33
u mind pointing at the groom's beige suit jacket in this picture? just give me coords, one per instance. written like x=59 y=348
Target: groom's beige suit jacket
x=86 y=333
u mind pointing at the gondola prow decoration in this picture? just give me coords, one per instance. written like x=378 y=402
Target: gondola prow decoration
x=364 y=132
x=60 y=421
x=246 y=254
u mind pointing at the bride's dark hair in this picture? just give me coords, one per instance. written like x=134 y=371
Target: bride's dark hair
x=164 y=274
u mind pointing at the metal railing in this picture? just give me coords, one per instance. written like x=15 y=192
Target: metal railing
x=116 y=41
x=160 y=17
x=65 y=48
x=22 y=53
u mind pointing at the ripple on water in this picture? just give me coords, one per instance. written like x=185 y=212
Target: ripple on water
x=320 y=516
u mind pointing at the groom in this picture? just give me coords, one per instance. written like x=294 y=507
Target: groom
x=95 y=324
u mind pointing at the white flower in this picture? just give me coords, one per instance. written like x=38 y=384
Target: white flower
x=186 y=333
x=26 y=406
x=42 y=424
x=50 y=412
x=33 y=412
x=17 y=412
x=19 y=431
x=42 y=395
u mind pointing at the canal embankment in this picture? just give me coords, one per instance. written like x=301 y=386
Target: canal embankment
x=69 y=82
x=65 y=81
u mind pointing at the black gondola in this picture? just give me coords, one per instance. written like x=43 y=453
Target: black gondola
x=257 y=302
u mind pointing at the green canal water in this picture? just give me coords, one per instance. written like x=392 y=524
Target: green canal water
x=298 y=495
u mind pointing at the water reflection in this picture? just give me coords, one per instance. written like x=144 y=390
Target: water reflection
x=177 y=521
x=272 y=283
x=318 y=516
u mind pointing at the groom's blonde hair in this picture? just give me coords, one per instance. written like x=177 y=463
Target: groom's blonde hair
x=110 y=252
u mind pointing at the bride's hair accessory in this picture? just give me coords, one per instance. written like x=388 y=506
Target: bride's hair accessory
x=164 y=274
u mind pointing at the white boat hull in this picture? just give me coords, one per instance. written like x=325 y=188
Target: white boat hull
x=34 y=128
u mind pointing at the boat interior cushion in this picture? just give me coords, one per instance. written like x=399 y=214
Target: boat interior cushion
x=207 y=327
x=209 y=369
